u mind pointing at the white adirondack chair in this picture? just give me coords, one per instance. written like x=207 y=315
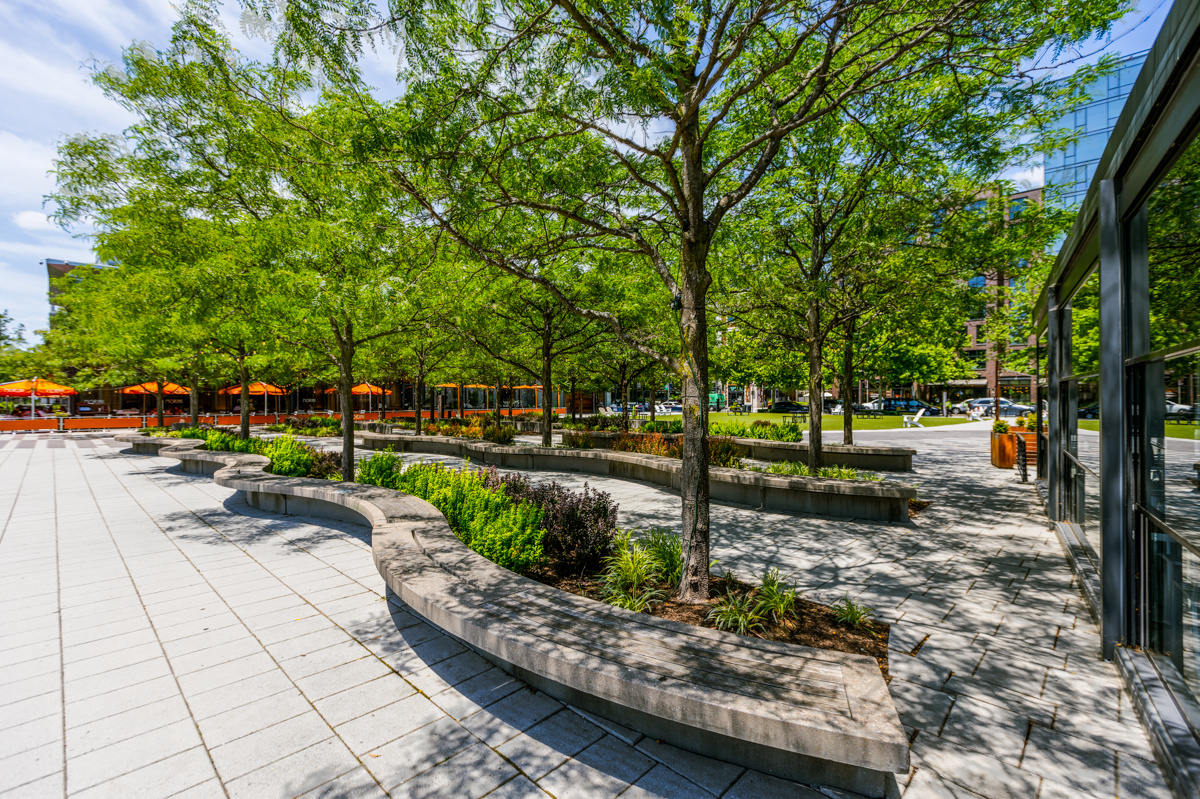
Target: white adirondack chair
x=915 y=419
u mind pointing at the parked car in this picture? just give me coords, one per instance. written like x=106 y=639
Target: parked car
x=984 y=404
x=1175 y=407
x=93 y=409
x=667 y=408
x=784 y=406
x=1089 y=411
x=896 y=406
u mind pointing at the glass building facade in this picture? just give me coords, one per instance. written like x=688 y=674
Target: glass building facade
x=1071 y=170
x=1119 y=459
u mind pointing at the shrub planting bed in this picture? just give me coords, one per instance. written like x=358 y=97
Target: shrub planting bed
x=523 y=526
x=765 y=442
x=642 y=574
x=308 y=426
x=570 y=540
x=289 y=457
x=885 y=500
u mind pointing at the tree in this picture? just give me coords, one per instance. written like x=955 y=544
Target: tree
x=540 y=114
x=529 y=330
x=12 y=338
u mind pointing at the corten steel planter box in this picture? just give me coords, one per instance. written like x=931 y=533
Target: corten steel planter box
x=1004 y=450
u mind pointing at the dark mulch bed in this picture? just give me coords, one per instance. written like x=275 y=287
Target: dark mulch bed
x=814 y=624
x=915 y=506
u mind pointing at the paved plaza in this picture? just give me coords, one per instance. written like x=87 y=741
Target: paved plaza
x=158 y=637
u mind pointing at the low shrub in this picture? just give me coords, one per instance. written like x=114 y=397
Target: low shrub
x=798 y=469
x=289 y=457
x=853 y=614
x=781 y=432
x=652 y=444
x=506 y=531
x=666 y=548
x=502 y=434
x=631 y=576
x=760 y=429
x=723 y=452
x=674 y=427
x=595 y=423
x=220 y=441
x=580 y=525
x=578 y=439
x=739 y=613
x=325 y=465
x=776 y=599
x=729 y=428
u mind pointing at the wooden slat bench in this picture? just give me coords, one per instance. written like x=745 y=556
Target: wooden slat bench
x=811 y=715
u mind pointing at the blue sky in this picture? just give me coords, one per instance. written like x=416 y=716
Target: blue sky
x=46 y=49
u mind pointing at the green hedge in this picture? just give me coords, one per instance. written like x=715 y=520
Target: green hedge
x=509 y=533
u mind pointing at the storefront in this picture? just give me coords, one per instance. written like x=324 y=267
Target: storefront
x=1121 y=445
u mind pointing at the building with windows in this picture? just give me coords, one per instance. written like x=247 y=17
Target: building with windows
x=1071 y=170
x=1119 y=450
x=992 y=378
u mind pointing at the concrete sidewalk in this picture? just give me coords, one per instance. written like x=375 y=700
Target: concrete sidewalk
x=158 y=637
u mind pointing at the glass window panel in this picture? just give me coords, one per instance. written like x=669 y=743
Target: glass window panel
x=1178 y=439
x=1085 y=327
x=1091 y=147
x=1114 y=110
x=1082 y=485
x=1173 y=218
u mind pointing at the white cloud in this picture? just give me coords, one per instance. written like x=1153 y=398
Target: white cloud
x=34 y=220
x=1033 y=177
x=23 y=167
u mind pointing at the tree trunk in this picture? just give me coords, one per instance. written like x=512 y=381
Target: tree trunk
x=653 y=400
x=847 y=380
x=462 y=416
x=694 y=491
x=816 y=389
x=346 y=397
x=419 y=400
x=244 y=394
x=194 y=404
x=574 y=400
x=547 y=391
x=158 y=399
x=625 y=404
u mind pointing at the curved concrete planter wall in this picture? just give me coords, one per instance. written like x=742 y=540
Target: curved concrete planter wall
x=881 y=459
x=811 y=715
x=847 y=499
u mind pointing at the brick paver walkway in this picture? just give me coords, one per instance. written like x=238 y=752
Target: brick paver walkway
x=158 y=637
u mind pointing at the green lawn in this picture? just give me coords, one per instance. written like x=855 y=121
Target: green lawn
x=1174 y=429
x=835 y=422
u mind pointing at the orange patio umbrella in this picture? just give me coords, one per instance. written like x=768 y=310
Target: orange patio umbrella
x=152 y=388
x=255 y=388
x=37 y=387
x=361 y=389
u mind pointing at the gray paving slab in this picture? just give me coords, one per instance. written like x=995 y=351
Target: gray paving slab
x=190 y=645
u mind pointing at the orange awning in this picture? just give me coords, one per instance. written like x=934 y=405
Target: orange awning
x=257 y=387
x=152 y=388
x=361 y=388
x=36 y=386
